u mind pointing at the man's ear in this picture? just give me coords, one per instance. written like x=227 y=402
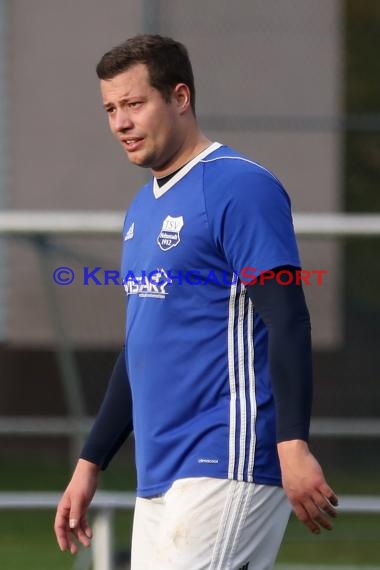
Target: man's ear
x=181 y=94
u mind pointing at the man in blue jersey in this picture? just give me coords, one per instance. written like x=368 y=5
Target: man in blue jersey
x=215 y=376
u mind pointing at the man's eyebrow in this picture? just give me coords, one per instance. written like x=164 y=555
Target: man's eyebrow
x=126 y=99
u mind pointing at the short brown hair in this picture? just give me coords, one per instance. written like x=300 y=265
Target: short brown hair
x=167 y=61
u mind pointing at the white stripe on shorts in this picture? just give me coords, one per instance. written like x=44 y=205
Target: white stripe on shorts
x=230 y=523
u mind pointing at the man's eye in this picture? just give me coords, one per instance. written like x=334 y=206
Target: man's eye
x=134 y=104
x=110 y=110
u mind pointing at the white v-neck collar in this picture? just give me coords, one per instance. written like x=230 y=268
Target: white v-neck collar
x=160 y=191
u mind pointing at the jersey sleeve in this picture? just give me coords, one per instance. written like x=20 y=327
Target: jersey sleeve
x=287 y=319
x=249 y=215
x=113 y=423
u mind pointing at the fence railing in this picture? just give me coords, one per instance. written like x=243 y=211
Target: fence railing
x=53 y=426
x=26 y=222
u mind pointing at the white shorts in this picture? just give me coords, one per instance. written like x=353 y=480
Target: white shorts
x=209 y=524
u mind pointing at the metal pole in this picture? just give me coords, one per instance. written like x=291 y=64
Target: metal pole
x=70 y=378
x=103 y=540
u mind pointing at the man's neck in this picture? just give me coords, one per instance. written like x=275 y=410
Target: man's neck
x=190 y=150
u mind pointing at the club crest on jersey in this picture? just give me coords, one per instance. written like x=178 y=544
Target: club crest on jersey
x=169 y=235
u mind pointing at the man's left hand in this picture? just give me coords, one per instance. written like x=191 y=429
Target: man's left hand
x=312 y=499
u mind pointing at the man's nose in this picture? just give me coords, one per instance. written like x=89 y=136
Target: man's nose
x=122 y=122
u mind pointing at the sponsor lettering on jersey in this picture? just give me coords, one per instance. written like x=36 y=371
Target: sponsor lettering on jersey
x=169 y=235
x=151 y=284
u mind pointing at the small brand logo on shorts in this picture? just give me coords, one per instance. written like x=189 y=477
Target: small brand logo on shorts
x=169 y=235
x=207 y=460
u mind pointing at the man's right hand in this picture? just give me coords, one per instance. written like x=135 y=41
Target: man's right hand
x=71 y=518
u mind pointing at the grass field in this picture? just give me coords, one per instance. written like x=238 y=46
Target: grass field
x=27 y=540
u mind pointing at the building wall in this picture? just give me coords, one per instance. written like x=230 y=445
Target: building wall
x=4 y=160
x=263 y=70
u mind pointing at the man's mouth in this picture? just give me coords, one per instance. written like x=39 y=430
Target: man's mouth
x=131 y=143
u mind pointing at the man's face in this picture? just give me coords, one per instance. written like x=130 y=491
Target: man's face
x=147 y=126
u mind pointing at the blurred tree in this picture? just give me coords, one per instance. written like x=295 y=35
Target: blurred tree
x=362 y=169
x=362 y=97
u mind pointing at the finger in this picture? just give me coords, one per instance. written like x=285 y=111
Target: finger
x=65 y=540
x=325 y=505
x=62 y=539
x=316 y=513
x=332 y=500
x=305 y=519
x=323 y=521
x=73 y=540
x=87 y=529
x=61 y=530
x=84 y=533
x=60 y=535
x=65 y=528
x=83 y=538
x=329 y=494
x=81 y=532
x=76 y=515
